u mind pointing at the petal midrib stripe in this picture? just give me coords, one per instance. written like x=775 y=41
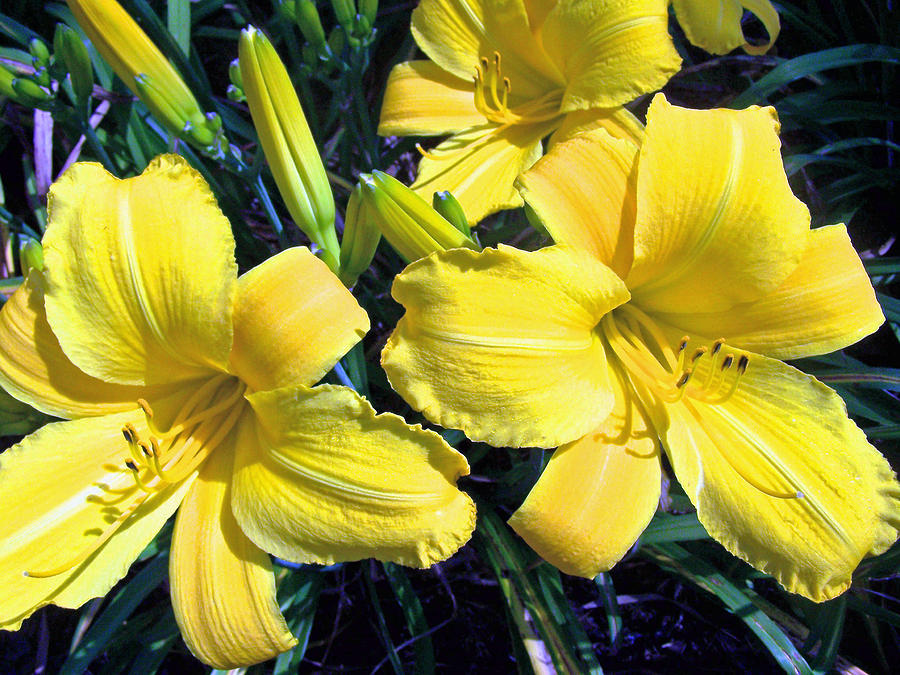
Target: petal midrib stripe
x=689 y=260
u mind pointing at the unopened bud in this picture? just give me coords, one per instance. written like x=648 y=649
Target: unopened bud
x=28 y=92
x=407 y=221
x=307 y=17
x=360 y=239
x=445 y=204
x=40 y=55
x=344 y=12
x=368 y=9
x=73 y=55
x=288 y=143
x=31 y=256
x=144 y=69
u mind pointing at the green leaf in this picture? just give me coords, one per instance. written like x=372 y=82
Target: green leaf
x=103 y=630
x=665 y=527
x=678 y=560
x=414 y=616
x=542 y=615
x=810 y=64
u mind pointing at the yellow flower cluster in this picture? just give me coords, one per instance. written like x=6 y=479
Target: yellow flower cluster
x=683 y=273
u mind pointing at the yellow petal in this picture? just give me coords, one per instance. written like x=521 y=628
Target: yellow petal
x=784 y=480
x=140 y=273
x=716 y=25
x=293 y=320
x=618 y=121
x=501 y=344
x=717 y=223
x=56 y=494
x=610 y=51
x=455 y=34
x=597 y=494
x=479 y=166
x=422 y=99
x=826 y=304
x=320 y=478
x=593 y=209
x=223 y=587
x=34 y=369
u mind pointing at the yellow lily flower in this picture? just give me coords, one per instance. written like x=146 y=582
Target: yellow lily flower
x=185 y=385
x=715 y=25
x=538 y=67
x=683 y=272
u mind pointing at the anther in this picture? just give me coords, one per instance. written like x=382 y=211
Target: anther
x=148 y=411
x=717 y=345
x=131 y=465
x=684 y=379
x=727 y=361
x=684 y=343
x=129 y=433
x=743 y=362
x=700 y=351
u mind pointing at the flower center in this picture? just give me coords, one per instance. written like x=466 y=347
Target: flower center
x=168 y=457
x=706 y=373
x=492 y=92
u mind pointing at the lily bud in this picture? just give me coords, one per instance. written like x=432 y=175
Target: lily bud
x=6 y=80
x=70 y=50
x=287 y=142
x=307 y=17
x=445 y=204
x=29 y=92
x=407 y=221
x=344 y=12
x=40 y=55
x=141 y=66
x=360 y=239
x=368 y=9
x=31 y=256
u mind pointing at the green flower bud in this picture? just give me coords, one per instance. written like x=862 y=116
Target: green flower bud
x=360 y=239
x=406 y=220
x=31 y=256
x=287 y=142
x=73 y=54
x=368 y=9
x=40 y=55
x=445 y=204
x=30 y=93
x=344 y=12
x=307 y=17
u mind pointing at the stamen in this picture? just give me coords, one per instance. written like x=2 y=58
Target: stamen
x=700 y=351
x=424 y=152
x=148 y=411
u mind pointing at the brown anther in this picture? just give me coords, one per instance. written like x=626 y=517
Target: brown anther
x=726 y=363
x=145 y=448
x=743 y=362
x=717 y=345
x=683 y=344
x=145 y=407
x=129 y=433
x=683 y=380
x=507 y=85
x=131 y=465
x=700 y=351
x=497 y=60
x=484 y=62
